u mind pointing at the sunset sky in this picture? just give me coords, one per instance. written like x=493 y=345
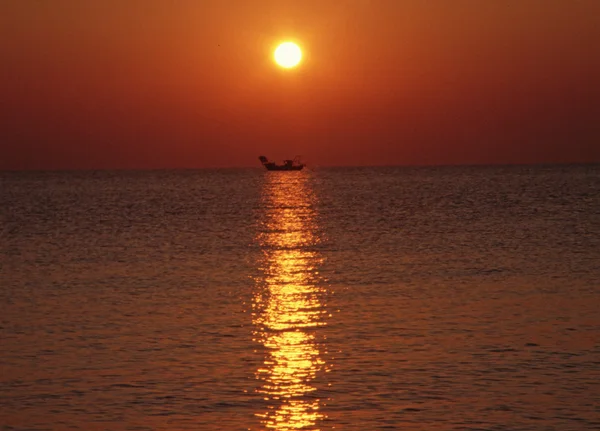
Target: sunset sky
x=192 y=83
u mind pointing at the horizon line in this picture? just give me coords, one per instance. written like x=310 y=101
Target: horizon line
x=316 y=166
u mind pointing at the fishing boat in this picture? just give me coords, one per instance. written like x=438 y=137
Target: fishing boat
x=288 y=165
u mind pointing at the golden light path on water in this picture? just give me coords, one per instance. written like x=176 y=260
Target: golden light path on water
x=288 y=305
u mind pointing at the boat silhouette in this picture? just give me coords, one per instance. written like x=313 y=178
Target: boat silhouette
x=288 y=165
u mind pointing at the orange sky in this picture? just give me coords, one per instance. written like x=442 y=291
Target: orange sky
x=151 y=84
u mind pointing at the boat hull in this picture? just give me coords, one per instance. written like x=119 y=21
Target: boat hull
x=284 y=168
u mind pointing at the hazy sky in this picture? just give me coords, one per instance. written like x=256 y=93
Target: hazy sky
x=176 y=83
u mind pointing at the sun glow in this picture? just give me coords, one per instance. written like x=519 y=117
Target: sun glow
x=288 y=55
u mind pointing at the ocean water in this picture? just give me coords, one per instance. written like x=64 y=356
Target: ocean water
x=451 y=298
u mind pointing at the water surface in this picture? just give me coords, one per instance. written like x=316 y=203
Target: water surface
x=351 y=298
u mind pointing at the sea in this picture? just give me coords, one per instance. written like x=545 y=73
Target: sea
x=368 y=298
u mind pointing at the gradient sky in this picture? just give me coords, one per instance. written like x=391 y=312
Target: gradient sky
x=191 y=83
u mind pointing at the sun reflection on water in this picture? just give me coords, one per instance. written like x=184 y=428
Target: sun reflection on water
x=288 y=305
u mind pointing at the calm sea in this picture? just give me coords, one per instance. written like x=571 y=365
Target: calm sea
x=456 y=298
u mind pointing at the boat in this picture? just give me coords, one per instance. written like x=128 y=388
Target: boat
x=288 y=165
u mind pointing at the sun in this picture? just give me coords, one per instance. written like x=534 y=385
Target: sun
x=287 y=55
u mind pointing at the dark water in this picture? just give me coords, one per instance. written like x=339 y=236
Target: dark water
x=347 y=299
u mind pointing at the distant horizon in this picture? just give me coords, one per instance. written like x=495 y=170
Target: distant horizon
x=308 y=167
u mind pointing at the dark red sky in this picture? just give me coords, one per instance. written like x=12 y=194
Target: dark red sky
x=150 y=84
